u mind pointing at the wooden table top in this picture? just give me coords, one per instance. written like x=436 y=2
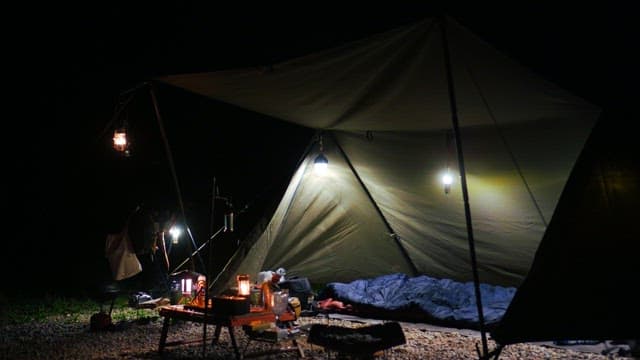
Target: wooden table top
x=197 y=315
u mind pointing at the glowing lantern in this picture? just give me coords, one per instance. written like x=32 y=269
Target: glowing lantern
x=244 y=285
x=447 y=179
x=175 y=232
x=120 y=142
x=187 y=286
x=320 y=164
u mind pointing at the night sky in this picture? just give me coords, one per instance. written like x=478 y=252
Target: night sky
x=68 y=188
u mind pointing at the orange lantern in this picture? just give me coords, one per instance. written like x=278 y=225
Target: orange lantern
x=120 y=140
x=244 y=285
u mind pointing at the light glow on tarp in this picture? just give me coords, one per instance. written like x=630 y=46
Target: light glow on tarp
x=498 y=197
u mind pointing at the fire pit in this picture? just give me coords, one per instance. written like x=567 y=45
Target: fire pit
x=361 y=342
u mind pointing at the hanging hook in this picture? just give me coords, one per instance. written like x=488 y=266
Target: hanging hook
x=321 y=162
x=369 y=135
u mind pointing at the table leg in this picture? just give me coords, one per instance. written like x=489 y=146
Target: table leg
x=300 y=350
x=216 y=335
x=234 y=343
x=163 y=334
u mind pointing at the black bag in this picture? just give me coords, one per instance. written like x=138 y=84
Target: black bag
x=300 y=288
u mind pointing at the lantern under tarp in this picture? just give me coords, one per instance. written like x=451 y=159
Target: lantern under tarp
x=184 y=284
x=199 y=296
x=244 y=284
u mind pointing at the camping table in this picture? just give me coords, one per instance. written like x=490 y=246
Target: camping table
x=219 y=320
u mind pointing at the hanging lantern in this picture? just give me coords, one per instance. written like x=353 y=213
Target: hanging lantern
x=447 y=179
x=320 y=164
x=244 y=285
x=228 y=218
x=120 y=142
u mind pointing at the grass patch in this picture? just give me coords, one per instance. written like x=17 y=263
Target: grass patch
x=17 y=310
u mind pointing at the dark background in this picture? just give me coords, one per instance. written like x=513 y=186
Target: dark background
x=66 y=186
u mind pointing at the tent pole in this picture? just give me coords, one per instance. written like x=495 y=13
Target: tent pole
x=375 y=205
x=171 y=165
x=463 y=183
x=209 y=269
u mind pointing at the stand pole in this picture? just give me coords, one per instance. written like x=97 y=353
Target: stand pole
x=171 y=165
x=463 y=181
x=209 y=269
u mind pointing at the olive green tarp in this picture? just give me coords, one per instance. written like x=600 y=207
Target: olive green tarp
x=382 y=106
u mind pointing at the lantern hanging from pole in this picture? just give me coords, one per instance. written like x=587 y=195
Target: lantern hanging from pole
x=120 y=142
x=244 y=284
x=447 y=179
x=320 y=164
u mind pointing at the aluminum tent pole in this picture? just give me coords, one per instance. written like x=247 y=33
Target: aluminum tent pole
x=463 y=183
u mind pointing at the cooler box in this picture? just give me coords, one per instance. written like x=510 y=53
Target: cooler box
x=300 y=288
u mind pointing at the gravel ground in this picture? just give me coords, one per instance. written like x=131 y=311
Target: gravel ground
x=70 y=338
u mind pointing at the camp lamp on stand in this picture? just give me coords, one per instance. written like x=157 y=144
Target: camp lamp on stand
x=175 y=232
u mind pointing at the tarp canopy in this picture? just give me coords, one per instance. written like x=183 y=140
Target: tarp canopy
x=383 y=106
x=562 y=231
